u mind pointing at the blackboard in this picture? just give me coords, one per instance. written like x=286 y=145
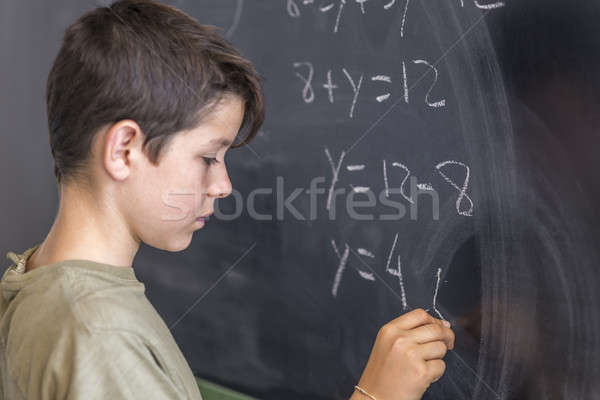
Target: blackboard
x=477 y=118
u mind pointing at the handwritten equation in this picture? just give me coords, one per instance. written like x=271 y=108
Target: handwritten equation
x=390 y=268
x=464 y=203
x=338 y=7
x=305 y=71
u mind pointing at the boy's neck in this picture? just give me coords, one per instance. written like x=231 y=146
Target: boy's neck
x=82 y=230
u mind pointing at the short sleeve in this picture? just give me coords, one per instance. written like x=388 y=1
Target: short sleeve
x=106 y=364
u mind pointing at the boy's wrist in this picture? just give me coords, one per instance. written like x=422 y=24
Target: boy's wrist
x=356 y=395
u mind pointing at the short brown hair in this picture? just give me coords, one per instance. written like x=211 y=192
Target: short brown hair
x=145 y=61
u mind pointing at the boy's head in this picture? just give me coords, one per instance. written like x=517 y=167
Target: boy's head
x=142 y=103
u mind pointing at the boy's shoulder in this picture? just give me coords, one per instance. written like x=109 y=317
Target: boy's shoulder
x=76 y=296
x=73 y=321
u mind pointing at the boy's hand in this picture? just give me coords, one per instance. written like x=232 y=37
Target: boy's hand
x=406 y=357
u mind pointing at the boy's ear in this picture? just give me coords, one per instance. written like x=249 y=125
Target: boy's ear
x=122 y=141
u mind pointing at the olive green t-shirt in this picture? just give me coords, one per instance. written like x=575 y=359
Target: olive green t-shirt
x=78 y=329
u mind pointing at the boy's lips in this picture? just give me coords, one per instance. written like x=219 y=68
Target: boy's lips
x=204 y=217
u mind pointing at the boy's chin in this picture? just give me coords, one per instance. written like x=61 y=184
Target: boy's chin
x=175 y=244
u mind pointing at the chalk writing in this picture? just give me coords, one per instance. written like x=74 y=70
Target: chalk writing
x=355 y=84
x=441 y=168
x=325 y=6
x=462 y=190
x=437 y=286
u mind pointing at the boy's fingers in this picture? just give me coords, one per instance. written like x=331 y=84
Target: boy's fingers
x=452 y=337
x=433 y=350
x=436 y=369
x=413 y=319
x=417 y=319
x=433 y=332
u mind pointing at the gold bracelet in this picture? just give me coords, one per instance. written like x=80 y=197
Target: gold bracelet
x=363 y=391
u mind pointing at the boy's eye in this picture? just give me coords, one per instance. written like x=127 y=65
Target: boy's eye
x=210 y=160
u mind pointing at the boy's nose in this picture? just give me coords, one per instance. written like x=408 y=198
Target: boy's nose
x=220 y=188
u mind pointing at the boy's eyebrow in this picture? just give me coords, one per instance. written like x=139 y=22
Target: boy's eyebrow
x=222 y=141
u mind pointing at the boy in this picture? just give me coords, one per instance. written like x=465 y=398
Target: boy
x=143 y=101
